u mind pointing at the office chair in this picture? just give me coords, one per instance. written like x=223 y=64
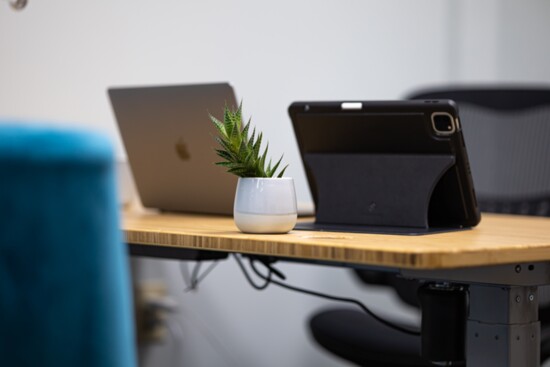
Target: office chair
x=507 y=134
x=65 y=296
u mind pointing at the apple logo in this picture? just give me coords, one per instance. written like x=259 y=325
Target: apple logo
x=181 y=150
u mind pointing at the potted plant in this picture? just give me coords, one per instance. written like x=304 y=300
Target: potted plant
x=265 y=201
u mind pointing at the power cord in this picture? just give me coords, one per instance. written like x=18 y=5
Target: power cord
x=249 y=279
x=268 y=280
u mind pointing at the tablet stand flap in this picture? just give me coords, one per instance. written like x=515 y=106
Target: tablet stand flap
x=375 y=189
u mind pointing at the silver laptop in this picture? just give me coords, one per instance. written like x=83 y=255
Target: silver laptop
x=170 y=144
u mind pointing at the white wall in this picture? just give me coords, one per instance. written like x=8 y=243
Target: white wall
x=499 y=41
x=58 y=57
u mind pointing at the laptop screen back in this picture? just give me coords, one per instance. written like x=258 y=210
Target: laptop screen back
x=170 y=144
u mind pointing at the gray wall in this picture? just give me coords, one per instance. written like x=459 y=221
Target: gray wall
x=58 y=58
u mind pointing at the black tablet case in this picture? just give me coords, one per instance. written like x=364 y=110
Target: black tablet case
x=383 y=169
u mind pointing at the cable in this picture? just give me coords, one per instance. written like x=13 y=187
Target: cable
x=265 y=263
x=247 y=276
x=326 y=296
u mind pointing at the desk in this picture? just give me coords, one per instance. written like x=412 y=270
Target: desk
x=502 y=261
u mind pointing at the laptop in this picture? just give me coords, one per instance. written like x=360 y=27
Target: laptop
x=169 y=140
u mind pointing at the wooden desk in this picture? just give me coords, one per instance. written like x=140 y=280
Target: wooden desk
x=502 y=262
x=499 y=239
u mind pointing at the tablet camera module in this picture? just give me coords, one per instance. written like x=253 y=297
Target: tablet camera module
x=443 y=123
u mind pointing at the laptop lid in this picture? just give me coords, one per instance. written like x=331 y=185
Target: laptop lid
x=170 y=144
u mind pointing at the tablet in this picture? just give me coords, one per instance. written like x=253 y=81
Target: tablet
x=409 y=155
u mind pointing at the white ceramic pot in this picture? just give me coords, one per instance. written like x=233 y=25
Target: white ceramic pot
x=265 y=205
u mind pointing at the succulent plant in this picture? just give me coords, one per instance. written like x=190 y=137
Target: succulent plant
x=239 y=151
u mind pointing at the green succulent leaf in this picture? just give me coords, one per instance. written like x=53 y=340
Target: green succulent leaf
x=224 y=154
x=219 y=125
x=271 y=171
x=282 y=171
x=225 y=164
x=242 y=154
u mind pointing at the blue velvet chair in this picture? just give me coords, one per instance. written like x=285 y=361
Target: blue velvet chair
x=65 y=296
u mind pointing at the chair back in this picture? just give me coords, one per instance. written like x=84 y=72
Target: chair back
x=65 y=296
x=507 y=136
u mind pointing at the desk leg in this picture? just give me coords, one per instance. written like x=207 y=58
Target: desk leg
x=503 y=328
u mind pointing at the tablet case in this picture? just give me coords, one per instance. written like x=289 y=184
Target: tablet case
x=411 y=185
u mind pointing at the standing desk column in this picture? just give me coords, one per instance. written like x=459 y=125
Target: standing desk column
x=502 y=327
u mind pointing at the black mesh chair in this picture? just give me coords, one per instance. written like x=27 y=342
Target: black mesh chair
x=507 y=135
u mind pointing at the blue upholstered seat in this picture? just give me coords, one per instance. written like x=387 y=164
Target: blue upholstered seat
x=65 y=297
